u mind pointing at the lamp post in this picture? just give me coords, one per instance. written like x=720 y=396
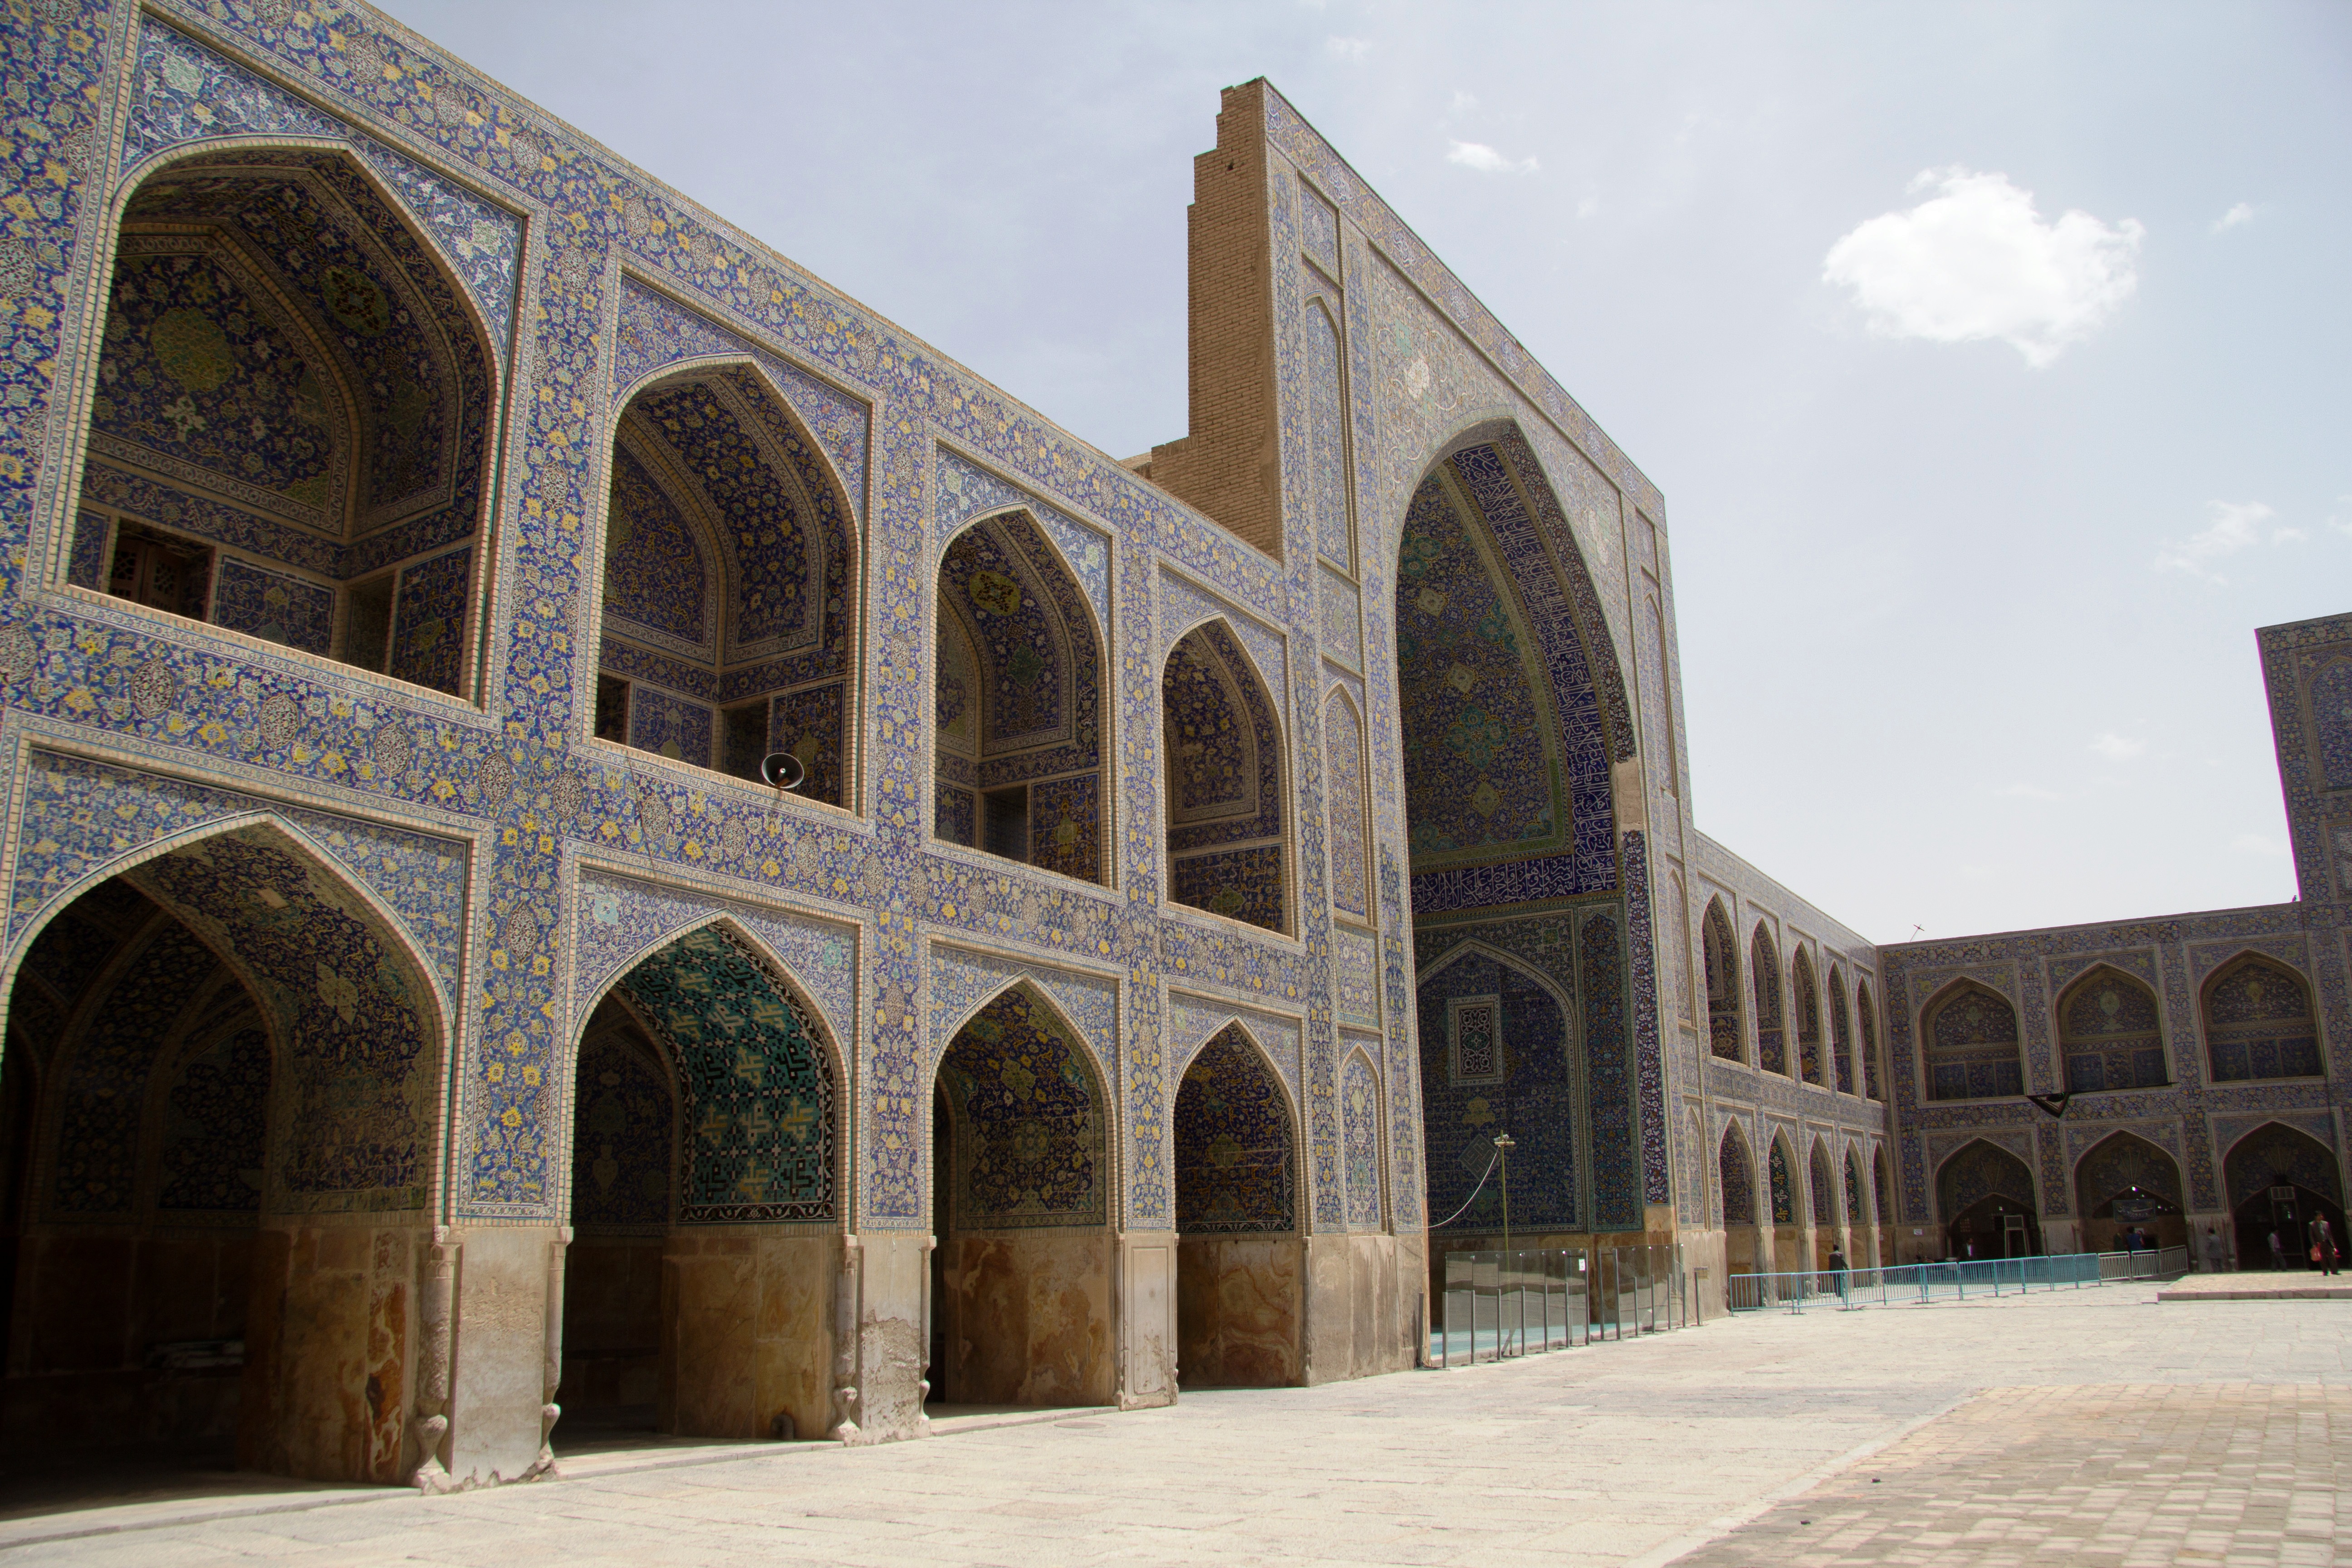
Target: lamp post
x=1503 y=1147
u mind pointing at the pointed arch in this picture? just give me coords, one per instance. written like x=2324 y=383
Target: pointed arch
x=1882 y=1194
x=1841 y=1047
x=1228 y=833
x=1720 y=951
x=1764 y=969
x=1032 y=1114
x=2258 y=1022
x=1866 y=1017
x=1235 y=1141
x=2123 y=1168
x=1783 y=1184
x=2276 y=1155
x=293 y=416
x=1498 y=1054
x=1982 y=1170
x=2110 y=1033
x=1857 y=1207
x=1736 y=1176
x=1823 y=1185
x=1346 y=805
x=1361 y=1139
x=1807 y=1004
x=1968 y=1043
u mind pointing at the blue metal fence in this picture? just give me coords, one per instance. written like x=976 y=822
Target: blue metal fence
x=1916 y=1282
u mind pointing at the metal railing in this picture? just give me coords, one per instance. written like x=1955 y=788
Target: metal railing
x=1917 y=1282
x=1495 y=1305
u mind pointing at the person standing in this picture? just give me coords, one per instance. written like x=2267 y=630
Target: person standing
x=2217 y=1254
x=2278 y=1249
x=2323 y=1244
x=1838 y=1271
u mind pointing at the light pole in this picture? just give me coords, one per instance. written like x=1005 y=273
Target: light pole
x=1503 y=1147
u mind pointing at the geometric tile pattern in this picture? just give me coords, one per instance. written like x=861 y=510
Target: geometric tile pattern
x=1235 y=1163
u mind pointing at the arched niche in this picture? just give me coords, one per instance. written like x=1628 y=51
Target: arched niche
x=1841 y=1047
x=1985 y=1197
x=707 y=1175
x=1764 y=968
x=1780 y=1173
x=1867 y=1018
x=292 y=419
x=1823 y=1185
x=1360 y=1141
x=726 y=623
x=2110 y=1033
x=1018 y=699
x=1023 y=1209
x=2258 y=1022
x=227 y=1170
x=2125 y=1184
x=1882 y=1192
x=1720 y=951
x=1346 y=797
x=1228 y=847
x=1735 y=1173
x=1808 y=1002
x=2279 y=1178
x=1857 y=1207
x=1499 y=1055
x=1968 y=1045
x=1239 y=1297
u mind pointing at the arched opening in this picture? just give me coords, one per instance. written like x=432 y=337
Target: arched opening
x=1969 y=1038
x=1238 y=1291
x=1721 y=954
x=2130 y=1195
x=1779 y=1171
x=2259 y=1022
x=1858 y=1220
x=1866 y=1017
x=2109 y=1034
x=728 y=615
x=1735 y=1168
x=1809 y=1017
x=2279 y=1180
x=1841 y=1050
x=225 y=1174
x=1021 y=1302
x=1824 y=1194
x=1495 y=1058
x=291 y=434
x=698 y=1289
x=1985 y=1197
x=1344 y=808
x=1764 y=968
x=1019 y=701
x=1226 y=849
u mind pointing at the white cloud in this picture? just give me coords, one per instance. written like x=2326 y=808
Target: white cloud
x=1464 y=102
x=2117 y=748
x=1486 y=161
x=2243 y=213
x=2236 y=526
x=2028 y=792
x=1976 y=261
x=1350 y=49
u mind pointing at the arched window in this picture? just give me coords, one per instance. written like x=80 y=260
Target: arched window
x=1722 y=956
x=2257 y=1021
x=291 y=428
x=1866 y=1017
x=1764 y=968
x=1226 y=850
x=1018 y=697
x=1809 y=1017
x=2108 y=1033
x=1968 y=1038
x=1841 y=1048
x=1344 y=807
x=726 y=624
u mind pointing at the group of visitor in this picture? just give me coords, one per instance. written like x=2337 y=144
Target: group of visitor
x=2321 y=1238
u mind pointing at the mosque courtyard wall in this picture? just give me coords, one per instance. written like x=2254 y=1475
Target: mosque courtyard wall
x=429 y=1034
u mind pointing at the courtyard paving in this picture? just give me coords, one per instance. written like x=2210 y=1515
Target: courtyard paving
x=2096 y=1425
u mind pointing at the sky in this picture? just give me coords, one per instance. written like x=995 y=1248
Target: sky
x=1995 y=361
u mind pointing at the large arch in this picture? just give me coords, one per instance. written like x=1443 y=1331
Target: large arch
x=1498 y=1056
x=1764 y=969
x=2126 y=1184
x=229 y=1169
x=715 y=1083
x=291 y=428
x=1228 y=840
x=2278 y=1177
x=1985 y=1195
x=1721 y=954
x=2258 y=1022
x=1239 y=1299
x=1968 y=1044
x=727 y=607
x=1735 y=1169
x=1807 y=1006
x=2110 y=1033
x=1023 y=1211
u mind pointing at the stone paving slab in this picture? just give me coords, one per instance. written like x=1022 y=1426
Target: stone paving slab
x=2102 y=1474
x=2294 y=1286
x=1610 y=1453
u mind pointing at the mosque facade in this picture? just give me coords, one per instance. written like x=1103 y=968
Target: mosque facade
x=430 y=1031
